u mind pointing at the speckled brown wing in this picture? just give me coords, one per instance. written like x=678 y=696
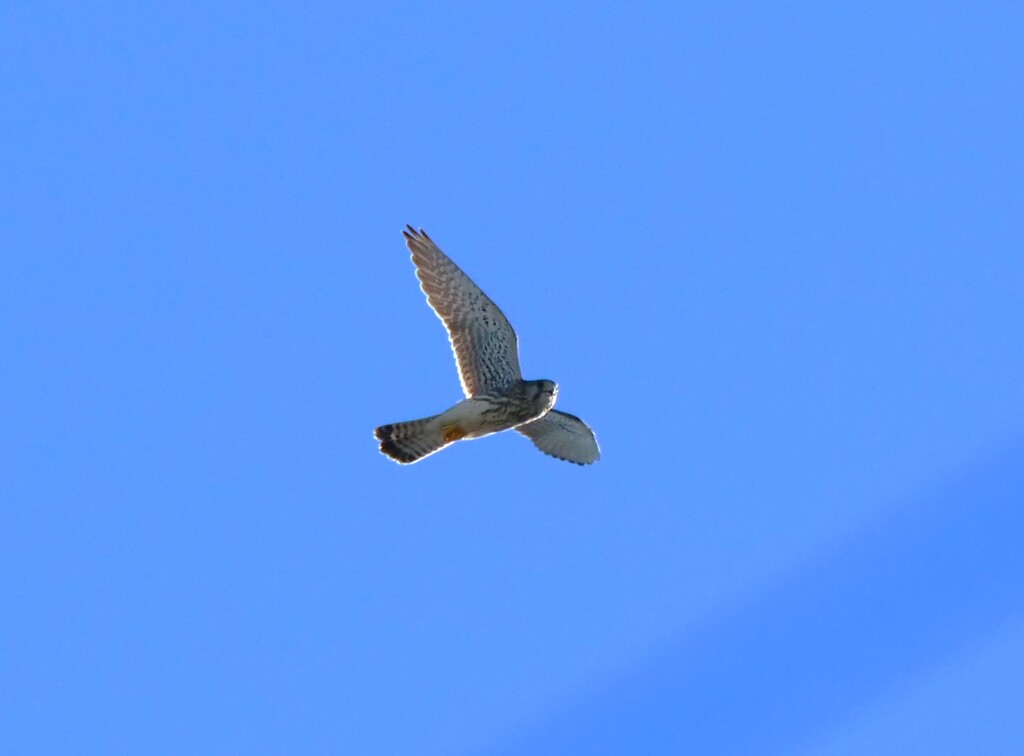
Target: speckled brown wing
x=482 y=340
x=563 y=436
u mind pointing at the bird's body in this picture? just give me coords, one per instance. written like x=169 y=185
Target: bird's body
x=475 y=417
x=486 y=351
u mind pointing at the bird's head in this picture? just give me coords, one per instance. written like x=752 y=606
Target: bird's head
x=542 y=391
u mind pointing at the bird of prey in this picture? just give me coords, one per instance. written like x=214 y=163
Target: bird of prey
x=487 y=356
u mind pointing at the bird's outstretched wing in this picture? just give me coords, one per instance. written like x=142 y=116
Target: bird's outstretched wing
x=563 y=436
x=482 y=340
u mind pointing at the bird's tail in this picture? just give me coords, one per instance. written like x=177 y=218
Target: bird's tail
x=412 y=441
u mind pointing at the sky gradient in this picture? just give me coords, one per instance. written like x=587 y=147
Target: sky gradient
x=773 y=255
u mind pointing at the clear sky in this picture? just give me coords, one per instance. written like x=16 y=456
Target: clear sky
x=772 y=252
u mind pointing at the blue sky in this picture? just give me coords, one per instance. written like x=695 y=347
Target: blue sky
x=773 y=254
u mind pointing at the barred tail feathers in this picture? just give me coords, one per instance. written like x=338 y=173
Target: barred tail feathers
x=412 y=441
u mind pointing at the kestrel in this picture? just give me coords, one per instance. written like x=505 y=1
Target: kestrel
x=487 y=355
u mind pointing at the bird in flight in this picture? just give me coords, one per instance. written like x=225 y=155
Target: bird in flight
x=487 y=356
